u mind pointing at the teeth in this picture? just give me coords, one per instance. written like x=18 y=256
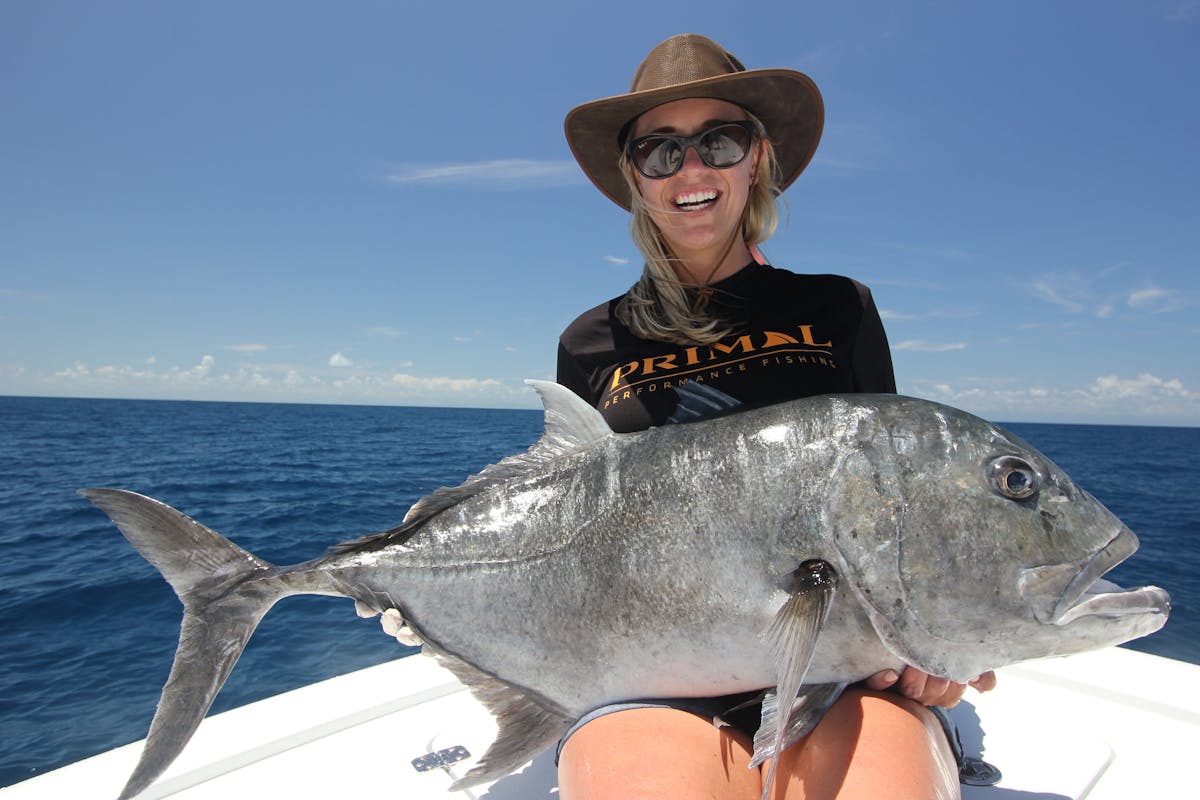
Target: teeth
x=695 y=198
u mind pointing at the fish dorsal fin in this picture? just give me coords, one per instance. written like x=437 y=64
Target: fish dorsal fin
x=570 y=425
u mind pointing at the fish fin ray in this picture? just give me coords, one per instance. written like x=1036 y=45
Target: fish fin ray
x=807 y=710
x=221 y=608
x=525 y=723
x=186 y=552
x=699 y=401
x=196 y=677
x=793 y=638
x=570 y=425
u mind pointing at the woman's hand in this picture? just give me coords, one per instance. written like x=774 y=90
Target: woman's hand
x=927 y=689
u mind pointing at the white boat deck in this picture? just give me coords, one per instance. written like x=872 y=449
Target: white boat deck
x=1112 y=725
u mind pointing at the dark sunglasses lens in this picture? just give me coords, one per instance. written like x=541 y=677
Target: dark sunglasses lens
x=661 y=156
x=724 y=146
x=658 y=156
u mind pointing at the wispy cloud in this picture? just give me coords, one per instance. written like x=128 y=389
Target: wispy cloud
x=1180 y=10
x=247 y=349
x=1067 y=293
x=340 y=360
x=1154 y=298
x=384 y=332
x=1076 y=293
x=922 y=346
x=618 y=260
x=854 y=147
x=508 y=173
x=940 y=253
x=909 y=316
x=906 y=283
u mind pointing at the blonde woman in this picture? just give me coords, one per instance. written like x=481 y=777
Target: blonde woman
x=698 y=151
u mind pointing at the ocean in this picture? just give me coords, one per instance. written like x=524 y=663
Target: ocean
x=88 y=629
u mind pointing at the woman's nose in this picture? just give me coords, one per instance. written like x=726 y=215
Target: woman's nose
x=692 y=160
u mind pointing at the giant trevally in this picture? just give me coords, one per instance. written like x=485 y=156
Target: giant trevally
x=698 y=559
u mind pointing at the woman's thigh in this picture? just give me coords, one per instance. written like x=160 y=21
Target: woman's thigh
x=870 y=745
x=644 y=753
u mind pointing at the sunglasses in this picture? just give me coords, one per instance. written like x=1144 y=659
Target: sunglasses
x=660 y=155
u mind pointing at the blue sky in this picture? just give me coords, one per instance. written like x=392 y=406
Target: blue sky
x=372 y=202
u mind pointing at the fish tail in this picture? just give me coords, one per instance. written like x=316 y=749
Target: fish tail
x=223 y=596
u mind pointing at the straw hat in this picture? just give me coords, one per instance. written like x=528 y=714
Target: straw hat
x=788 y=103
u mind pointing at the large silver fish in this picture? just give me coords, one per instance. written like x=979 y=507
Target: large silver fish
x=690 y=560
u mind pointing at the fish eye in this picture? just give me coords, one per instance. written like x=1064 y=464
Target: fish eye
x=1014 y=477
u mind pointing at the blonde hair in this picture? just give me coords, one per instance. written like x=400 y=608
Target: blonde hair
x=660 y=306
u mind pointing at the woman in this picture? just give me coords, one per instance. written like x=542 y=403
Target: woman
x=698 y=150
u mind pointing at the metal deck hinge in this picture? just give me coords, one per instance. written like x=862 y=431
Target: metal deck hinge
x=441 y=759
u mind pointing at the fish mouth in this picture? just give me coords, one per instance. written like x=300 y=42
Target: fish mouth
x=1060 y=594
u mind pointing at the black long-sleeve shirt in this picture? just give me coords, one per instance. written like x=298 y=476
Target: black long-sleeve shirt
x=796 y=336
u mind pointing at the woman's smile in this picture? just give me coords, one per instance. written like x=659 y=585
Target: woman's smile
x=696 y=200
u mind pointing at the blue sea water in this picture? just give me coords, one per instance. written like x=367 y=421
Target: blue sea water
x=88 y=629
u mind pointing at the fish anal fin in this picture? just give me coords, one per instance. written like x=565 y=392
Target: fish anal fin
x=525 y=724
x=793 y=638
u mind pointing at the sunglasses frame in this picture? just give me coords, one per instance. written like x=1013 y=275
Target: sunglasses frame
x=684 y=142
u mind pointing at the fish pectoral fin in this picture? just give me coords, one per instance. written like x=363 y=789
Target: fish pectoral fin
x=793 y=638
x=808 y=708
x=700 y=401
x=525 y=725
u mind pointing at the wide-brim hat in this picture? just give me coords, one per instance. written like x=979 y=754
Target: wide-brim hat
x=786 y=101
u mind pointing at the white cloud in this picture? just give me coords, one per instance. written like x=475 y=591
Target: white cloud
x=248 y=349
x=1153 y=298
x=112 y=375
x=1143 y=399
x=340 y=360
x=202 y=369
x=437 y=384
x=922 y=346
x=499 y=173
x=1143 y=386
x=384 y=332
x=273 y=382
x=616 y=260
